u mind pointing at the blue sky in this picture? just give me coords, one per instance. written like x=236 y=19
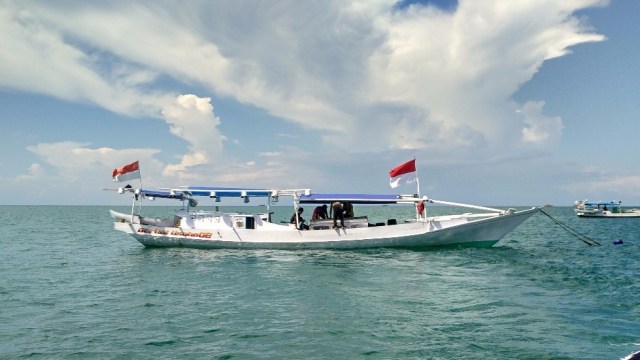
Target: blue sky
x=501 y=102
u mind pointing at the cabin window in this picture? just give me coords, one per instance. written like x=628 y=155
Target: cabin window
x=244 y=222
x=250 y=223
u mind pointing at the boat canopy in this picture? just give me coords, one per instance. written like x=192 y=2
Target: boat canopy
x=212 y=191
x=162 y=194
x=356 y=198
x=304 y=196
x=602 y=203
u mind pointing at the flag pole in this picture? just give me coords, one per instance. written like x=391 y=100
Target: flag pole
x=418 y=215
x=140 y=200
x=133 y=204
x=417 y=189
x=417 y=179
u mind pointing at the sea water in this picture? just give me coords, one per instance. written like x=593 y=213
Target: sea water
x=73 y=288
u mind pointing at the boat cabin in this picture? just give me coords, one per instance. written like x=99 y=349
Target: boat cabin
x=589 y=207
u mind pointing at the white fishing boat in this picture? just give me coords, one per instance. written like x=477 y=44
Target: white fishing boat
x=192 y=228
x=602 y=209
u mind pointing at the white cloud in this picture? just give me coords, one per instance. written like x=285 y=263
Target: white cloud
x=413 y=79
x=35 y=172
x=192 y=119
x=368 y=77
x=290 y=168
x=591 y=181
x=268 y=154
x=38 y=56
x=461 y=69
x=540 y=129
x=78 y=163
x=75 y=173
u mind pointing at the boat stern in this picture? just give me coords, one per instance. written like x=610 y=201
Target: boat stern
x=120 y=217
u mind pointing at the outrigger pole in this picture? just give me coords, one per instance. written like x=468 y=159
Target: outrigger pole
x=466 y=206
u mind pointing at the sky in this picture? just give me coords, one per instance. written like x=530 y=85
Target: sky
x=500 y=102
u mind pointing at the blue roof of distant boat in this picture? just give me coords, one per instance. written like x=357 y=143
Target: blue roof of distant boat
x=596 y=203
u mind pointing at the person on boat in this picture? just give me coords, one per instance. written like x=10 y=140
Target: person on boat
x=338 y=213
x=420 y=209
x=348 y=210
x=320 y=212
x=300 y=221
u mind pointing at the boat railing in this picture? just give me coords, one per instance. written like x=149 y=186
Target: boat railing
x=354 y=222
x=219 y=213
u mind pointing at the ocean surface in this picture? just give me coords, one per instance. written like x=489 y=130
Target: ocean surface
x=73 y=288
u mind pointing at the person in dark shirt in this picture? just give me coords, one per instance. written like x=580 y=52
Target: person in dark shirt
x=300 y=222
x=320 y=212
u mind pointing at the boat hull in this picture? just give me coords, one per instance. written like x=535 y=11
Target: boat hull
x=626 y=215
x=446 y=231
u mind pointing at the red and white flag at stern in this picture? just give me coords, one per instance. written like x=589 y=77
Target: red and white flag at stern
x=127 y=172
x=403 y=174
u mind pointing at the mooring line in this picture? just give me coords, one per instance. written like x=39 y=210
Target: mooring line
x=571 y=231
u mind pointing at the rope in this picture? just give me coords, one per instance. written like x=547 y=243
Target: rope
x=571 y=231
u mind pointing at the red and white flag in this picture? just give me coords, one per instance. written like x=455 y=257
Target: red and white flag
x=403 y=174
x=127 y=172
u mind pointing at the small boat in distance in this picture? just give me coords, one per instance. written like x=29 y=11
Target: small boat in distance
x=214 y=229
x=604 y=209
